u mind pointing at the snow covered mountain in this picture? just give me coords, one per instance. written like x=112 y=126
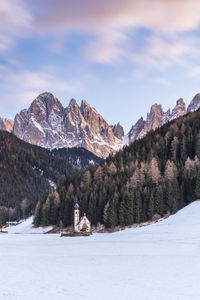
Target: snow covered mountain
x=48 y=124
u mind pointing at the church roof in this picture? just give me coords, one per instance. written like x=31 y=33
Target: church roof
x=83 y=218
x=76 y=206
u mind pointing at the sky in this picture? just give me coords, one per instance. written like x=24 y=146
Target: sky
x=120 y=56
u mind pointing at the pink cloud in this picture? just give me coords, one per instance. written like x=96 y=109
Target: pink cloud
x=14 y=20
x=108 y=21
x=158 y=15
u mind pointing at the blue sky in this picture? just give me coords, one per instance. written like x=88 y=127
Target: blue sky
x=121 y=56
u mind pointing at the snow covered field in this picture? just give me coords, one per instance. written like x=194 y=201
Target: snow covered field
x=27 y=227
x=161 y=261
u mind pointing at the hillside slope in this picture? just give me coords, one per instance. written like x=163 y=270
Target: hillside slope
x=79 y=157
x=26 y=171
x=158 y=174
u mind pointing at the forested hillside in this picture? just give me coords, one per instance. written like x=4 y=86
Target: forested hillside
x=27 y=171
x=155 y=175
x=79 y=157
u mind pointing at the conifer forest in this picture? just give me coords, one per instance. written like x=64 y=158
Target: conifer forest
x=156 y=175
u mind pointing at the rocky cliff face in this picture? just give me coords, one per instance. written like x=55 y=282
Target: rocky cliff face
x=136 y=130
x=6 y=124
x=118 y=131
x=41 y=124
x=179 y=110
x=194 y=104
x=48 y=124
x=156 y=118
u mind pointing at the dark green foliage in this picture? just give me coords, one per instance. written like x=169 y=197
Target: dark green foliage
x=76 y=156
x=197 y=187
x=154 y=175
x=25 y=171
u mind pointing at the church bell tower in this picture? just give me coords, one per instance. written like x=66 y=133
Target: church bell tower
x=76 y=217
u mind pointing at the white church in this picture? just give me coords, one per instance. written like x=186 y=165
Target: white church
x=82 y=225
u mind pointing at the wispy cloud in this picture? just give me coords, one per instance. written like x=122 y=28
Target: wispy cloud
x=161 y=52
x=158 y=15
x=15 y=19
x=109 y=20
x=107 y=48
x=162 y=81
x=194 y=72
x=38 y=81
x=22 y=87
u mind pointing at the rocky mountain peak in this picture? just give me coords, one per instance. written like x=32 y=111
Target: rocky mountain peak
x=46 y=123
x=44 y=104
x=194 y=104
x=86 y=110
x=180 y=102
x=85 y=104
x=73 y=103
x=6 y=124
x=155 y=118
x=155 y=108
x=41 y=124
x=118 y=130
x=136 y=130
x=179 y=109
x=73 y=108
x=48 y=99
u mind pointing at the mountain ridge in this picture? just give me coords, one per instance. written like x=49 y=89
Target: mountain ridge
x=48 y=124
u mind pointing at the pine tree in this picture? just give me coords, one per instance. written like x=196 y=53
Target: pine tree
x=111 y=220
x=189 y=167
x=38 y=213
x=174 y=147
x=98 y=175
x=138 y=206
x=197 y=186
x=122 y=213
x=171 y=171
x=151 y=206
x=159 y=200
x=197 y=146
x=112 y=168
x=183 y=149
x=154 y=172
x=128 y=212
x=86 y=178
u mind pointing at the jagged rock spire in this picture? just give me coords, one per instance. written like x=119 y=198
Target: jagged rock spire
x=194 y=104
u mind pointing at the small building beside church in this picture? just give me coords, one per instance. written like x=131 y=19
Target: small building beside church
x=83 y=224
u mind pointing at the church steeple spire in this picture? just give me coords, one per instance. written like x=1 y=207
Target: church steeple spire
x=76 y=217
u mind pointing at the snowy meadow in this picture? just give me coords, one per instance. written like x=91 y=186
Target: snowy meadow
x=161 y=261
